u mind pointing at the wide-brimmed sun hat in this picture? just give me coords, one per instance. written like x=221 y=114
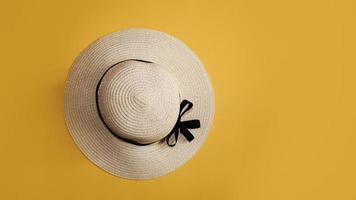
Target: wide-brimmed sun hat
x=138 y=103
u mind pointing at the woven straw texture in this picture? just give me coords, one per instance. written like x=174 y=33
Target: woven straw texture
x=137 y=100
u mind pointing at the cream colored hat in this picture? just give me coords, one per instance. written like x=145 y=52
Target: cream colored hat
x=138 y=103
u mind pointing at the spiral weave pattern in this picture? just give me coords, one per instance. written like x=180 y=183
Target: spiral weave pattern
x=139 y=101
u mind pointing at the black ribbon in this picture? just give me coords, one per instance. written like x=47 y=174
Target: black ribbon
x=182 y=127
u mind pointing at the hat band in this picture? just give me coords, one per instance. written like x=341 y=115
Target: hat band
x=172 y=136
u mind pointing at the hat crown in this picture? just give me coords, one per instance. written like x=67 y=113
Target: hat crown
x=138 y=101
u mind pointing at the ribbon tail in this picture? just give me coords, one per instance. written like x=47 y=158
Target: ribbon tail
x=191 y=124
x=186 y=133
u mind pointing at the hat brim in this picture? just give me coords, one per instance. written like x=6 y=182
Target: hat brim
x=97 y=143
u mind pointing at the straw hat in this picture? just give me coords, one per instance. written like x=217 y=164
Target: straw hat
x=138 y=103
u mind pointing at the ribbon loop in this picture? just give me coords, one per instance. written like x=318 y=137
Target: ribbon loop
x=182 y=127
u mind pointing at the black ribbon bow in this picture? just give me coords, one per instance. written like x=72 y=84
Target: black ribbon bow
x=182 y=127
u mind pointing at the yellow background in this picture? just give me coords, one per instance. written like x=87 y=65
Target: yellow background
x=284 y=74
